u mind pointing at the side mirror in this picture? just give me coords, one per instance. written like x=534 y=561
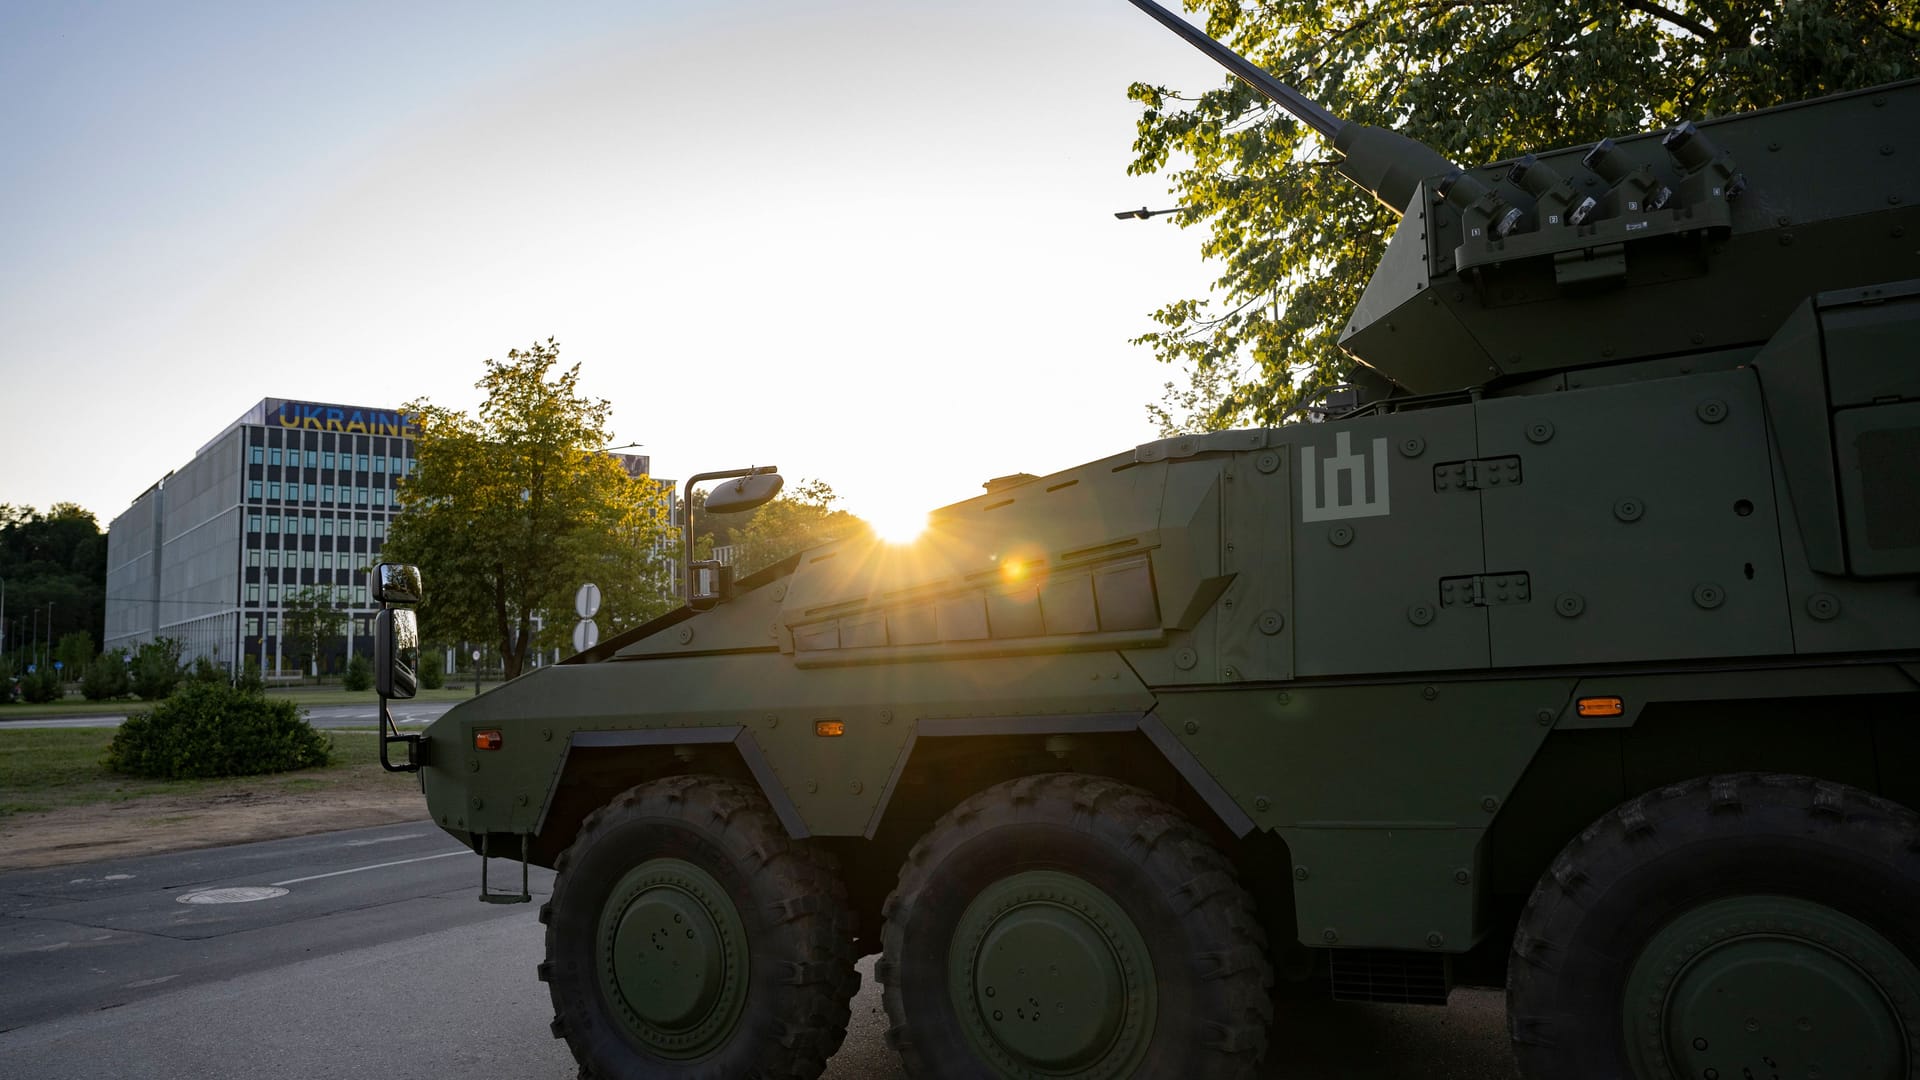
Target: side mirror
x=743 y=493
x=396 y=583
x=396 y=651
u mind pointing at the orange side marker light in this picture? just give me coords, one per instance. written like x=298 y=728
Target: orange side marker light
x=1601 y=706
x=829 y=728
x=488 y=740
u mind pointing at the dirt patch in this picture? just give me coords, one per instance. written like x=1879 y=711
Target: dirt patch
x=238 y=812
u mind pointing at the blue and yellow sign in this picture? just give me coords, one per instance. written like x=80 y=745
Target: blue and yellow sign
x=316 y=416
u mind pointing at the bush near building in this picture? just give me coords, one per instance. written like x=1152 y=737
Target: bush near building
x=156 y=669
x=41 y=686
x=106 y=677
x=211 y=729
x=359 y=674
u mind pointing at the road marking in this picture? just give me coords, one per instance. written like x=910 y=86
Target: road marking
x=375 y=866
x=384 y=839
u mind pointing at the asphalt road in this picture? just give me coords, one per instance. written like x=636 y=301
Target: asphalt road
x=320 y=716
x=378 y=961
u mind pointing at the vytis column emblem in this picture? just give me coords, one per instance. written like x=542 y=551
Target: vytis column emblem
x=1339 y=487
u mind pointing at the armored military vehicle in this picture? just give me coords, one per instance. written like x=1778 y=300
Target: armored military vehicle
x=1580 y=652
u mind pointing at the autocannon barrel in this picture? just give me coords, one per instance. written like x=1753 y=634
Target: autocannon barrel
x=1385 y=164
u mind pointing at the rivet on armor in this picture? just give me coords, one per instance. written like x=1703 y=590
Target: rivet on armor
x=1193 y=727
x=1340 y=535
x=1262 y=803
x=1823 y=606
x=1544 y=716
x=1711 y=411
x=854 y=787
x=813 y=786
x=686 y=634
x=1420 y=614
x=1489 y=804
x=1434 y=941
x=1429 y=693
x=1413 y=446
x=1709 y=595
x=1185 y=659
x=1539 y=431
x=1569 y=605
x=886 y=716
x=1272 y=622
x=1300 y=873
x=1267 y=462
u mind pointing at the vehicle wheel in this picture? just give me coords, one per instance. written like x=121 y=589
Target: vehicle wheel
x=1072 y=926
x=688 y=936
x=1730 y=926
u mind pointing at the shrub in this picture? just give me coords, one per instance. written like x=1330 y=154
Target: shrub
x=212 y=729
x=156 y=669
x=106 y=677
x=9 y=687
x=431 y=677
x=359 y=673
x=42 y=686
x=205 y=670
x=250 y=679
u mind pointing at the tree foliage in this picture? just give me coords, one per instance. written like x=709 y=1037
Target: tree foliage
x=1479 y=80
x=212 y=729
x=310 y=620
x=59 y=557
x=156 y=669
x=803 y=515
x=511 y=510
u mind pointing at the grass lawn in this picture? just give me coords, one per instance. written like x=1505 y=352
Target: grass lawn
x=51 y=768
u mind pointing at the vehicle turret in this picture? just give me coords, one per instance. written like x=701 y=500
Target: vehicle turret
x=1698 y=239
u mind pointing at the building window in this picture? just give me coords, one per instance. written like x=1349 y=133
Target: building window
x=306 y=559
x=253 y=523
x=379 y=496
x=379 y=530
x=253 y=556
x=326 y=461
x=306 y=525
x=273 y=627
x=309 y=492
x=326 y=560
x=360 y=528
x=360 y=596
x=253 y=626
x=363 y=463
x=273 y=558
x=253 y=594
x=340 y=594
x=273 y=456
x=273 y=523
x=379 y=463
x=253 y=489
x=255 y=454
x=326 y=494
x=312 y=458
x=273 y=594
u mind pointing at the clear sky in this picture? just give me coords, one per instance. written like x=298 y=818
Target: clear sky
x=870 y=242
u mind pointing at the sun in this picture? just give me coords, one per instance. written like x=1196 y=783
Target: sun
x=898 y=526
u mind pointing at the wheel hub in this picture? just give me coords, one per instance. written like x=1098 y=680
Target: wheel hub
x=1052 y=979
x=673 y=957
x=1766 y=985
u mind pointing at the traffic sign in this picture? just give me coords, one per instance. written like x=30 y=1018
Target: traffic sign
x=586 y=634
x=586 y=602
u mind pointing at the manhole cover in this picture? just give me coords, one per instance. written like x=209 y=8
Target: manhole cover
x=239 y=894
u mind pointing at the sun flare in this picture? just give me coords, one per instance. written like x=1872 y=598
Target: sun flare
x=897 y=526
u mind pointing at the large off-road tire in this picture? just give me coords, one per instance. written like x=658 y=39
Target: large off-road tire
x=689 y=937
x=1729 y=926
x=1069 y=926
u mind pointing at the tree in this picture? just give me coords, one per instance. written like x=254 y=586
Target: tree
x=800 y=518
x=74 y=652
x=106 y=676
x=512 y=510
x=156 y=669
x=58 y=558
x=309 y=621
x=1479 y=80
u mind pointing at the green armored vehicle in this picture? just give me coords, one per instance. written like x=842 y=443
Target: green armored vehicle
x=1579 y=652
